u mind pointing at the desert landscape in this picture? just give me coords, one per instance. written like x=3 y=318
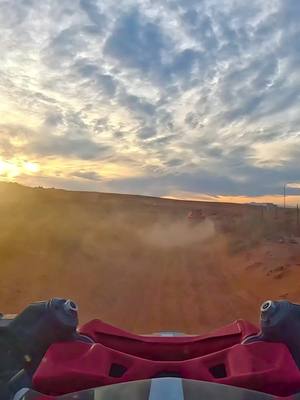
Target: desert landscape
x=139 y=262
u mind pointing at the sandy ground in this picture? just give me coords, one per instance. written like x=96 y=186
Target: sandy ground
x=138 y=263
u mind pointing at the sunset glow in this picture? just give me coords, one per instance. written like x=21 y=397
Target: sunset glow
x=174 y=99
x=290 y=201
x=14 y=168
x=8 y=169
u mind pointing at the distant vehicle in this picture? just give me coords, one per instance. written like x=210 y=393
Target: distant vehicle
x=196 y=215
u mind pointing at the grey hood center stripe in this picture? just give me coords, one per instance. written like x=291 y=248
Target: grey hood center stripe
x=166 y=389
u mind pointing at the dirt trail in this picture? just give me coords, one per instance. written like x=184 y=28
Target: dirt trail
x=183 y=292
x=137 y=264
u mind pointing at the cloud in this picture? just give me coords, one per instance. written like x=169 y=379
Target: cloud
x=147 y=132
x=195 y=96
x=136 y=42
x=137 y=105
x=53 y=119
x=192 y=120
x=89 y=175
x=278 y=153
x=90 y=7
x=95 y=77
x=82 y=149
x=294 y=185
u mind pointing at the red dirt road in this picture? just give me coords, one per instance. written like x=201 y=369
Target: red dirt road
x=135 y=262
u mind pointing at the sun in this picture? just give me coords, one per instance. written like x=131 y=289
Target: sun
x=10 y=169
x=31 y=167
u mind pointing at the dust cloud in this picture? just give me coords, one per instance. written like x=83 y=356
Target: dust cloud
x=178 y=234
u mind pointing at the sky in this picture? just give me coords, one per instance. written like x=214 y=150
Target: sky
x=194 y=99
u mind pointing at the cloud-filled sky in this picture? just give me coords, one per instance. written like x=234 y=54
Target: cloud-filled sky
x=179 y=98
